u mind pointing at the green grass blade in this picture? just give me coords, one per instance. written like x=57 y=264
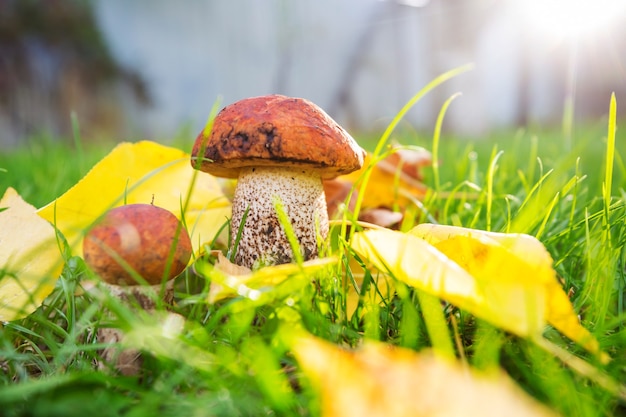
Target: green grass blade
x=436 y=324
x=436 y=139
x=285 y=222
x=610 y=158
x=491 y=172
x=78 y=143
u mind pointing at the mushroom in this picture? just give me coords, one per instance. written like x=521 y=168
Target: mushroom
x=279 y=148
x=129 y=241
x=137 y=239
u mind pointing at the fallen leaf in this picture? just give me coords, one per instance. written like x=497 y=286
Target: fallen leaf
x=229 y=280
x=336 y=192
x=30 y=259
x=394 y=180
x=512 y=257
x=224 y=265
x=381 y=217
x=379 y=380
x=409 y=161
x=415 y=262
x=225 y=268
x=506 y=280
x=142 y=172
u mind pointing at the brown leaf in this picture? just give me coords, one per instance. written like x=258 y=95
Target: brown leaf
x=394 y=180
x=337 y=192
x=381 y=217
x=409 y=161
x=227 y=267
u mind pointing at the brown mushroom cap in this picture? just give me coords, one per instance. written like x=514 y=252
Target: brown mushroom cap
x=276 y=130
x=142 y=235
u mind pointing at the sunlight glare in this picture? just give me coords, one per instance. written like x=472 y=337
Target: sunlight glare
x=571 y=18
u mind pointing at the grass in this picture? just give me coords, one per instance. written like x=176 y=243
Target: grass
x=46 y=167
x=231 y=359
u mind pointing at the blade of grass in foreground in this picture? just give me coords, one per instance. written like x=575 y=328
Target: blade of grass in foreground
x=491 y=172
x=610 y=157
x=603 y=262
x=436 y=140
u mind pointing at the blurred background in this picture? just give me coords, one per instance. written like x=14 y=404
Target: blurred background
x=149 y=69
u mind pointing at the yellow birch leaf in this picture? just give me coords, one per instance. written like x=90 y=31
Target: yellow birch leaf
x=512 y=257
x=521 y=245
x=141 y=172
x=379 y=380
x=229 y=280
x=415 y=262
x=30 y=260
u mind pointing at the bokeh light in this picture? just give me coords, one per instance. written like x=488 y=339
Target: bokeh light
x=571 y=18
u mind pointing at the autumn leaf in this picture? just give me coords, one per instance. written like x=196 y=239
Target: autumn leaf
x=230 y=280
x=336 y=192
x=143 y=172
x=409 y=161
x=506 y=280
x=30 y=259
x=393 y=182
x=506 y=257
x=415 y=262
x=381 y=217
x=379 y=380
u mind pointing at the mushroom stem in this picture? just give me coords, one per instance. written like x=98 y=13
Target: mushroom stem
x=263 y=240
x=127 y=361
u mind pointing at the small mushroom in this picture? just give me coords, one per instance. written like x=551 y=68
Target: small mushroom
x=147 y=240
x=137 y=240
x=279 y=148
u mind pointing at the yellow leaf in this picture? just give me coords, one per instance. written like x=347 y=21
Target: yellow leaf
x=229 y=280
x=501 y=258
x=506 y=280
x=521 y=245
x=142 y=172
x=30 y=260
x=378 y=380
x=416 y=263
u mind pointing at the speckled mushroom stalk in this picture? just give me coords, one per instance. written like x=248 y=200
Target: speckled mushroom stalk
x=263 y=240
x=127 y=361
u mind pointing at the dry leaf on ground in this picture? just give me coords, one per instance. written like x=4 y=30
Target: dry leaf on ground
x=511 y=284
x=231 y=280
x=30 y=259
x=419 y=264
x=141 y=172
x=379 y=380
x=393 y=179
x=336 y=192
x=512 y=257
